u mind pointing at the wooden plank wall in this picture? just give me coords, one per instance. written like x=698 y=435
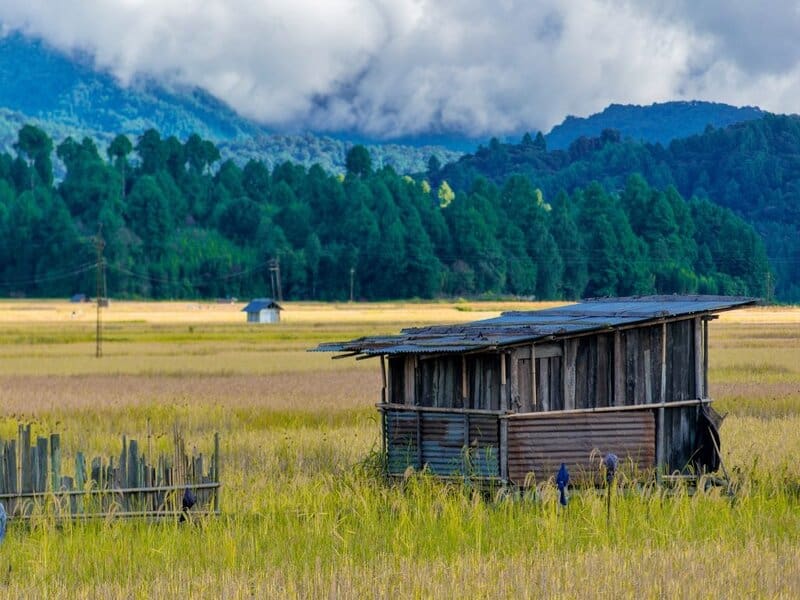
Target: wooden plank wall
x=680 y=438
x=396 y=376
x=641 y=353
x=681 y=375
x=440 y=382
x=594 y=374
x=483 y=374
x=609 y=369
x=549 y=390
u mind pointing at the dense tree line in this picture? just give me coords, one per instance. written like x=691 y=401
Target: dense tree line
x=752 y=168
x=179 y=222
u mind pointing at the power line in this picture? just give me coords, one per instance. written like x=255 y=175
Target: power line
x=52 y=277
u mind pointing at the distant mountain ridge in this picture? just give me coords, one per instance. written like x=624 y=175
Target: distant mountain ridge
x=656 y=123
x=43 y=83
x=66 y=95
x=660 y=122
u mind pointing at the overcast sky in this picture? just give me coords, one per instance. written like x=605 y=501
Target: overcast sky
x=400 y=67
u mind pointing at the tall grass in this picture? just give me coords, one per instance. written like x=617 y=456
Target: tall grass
x=306 y=514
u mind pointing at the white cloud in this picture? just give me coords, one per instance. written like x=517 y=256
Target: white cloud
x=399 y=67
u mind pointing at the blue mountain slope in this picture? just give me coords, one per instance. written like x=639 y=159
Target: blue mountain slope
x=662 y=122
x=659 y=122
x=40 y=82
x=65 y=95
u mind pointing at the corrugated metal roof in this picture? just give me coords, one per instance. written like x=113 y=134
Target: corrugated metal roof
x=519 y=327
x=259 y=304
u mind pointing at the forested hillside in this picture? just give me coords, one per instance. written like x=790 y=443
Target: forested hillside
x=66 y=95
x=178 y=222
x=752 y=168
x=659 y=122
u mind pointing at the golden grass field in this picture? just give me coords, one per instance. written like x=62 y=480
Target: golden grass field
x=304 y=514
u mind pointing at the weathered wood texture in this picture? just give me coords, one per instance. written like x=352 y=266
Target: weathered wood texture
x=653 y=364
x=396 y=375
x=680 y=360
x=440 y=382
x=539 y=443
x=682 y=439
x=594 y=360
x=606 y=369
x=131 y=485
x=447 y=443
x=641 y=353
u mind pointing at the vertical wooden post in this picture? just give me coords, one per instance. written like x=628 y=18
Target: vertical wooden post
x=705 y=357
x=619 y=370
x=216 y=471
x=133 y=464
x=660 y=441
x=23 y=461
x=416 y=386
x=568 y=373
x=564 y=374
x=545 y=370
x=409 y=381
x=465 y=459
x=419 y=440
x=648 y=378
x=464 y=383
x=503 y=383
x=80 y=478
x=699 y=391
x=514 y=403
x=2 y=467
x=55 y=461
x=503 y=422
x=383 y=378
x=533 y=377
x=13 y=475
x=34 y=476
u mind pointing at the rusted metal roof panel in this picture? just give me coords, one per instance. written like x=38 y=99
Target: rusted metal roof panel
x=539 y=443
x=517 y=327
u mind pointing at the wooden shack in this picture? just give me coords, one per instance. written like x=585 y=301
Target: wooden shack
x=511 y=398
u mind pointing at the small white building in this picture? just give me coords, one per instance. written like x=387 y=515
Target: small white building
x=263 y=310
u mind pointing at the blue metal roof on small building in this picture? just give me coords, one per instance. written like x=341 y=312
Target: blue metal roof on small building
x=259 y=304
x=519 y=327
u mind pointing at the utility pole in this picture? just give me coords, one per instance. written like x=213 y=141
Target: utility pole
x=768 y=290
x=99 y=246
x=352 y=280
x=272 y=277
x=275 y=278
x=278 y=278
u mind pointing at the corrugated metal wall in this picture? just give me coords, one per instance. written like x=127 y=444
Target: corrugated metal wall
x=443 y=436
x=539 y=443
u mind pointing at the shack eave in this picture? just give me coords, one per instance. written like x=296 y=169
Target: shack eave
x=521 y=327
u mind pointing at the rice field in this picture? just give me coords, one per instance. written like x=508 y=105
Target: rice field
x=305 y=513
